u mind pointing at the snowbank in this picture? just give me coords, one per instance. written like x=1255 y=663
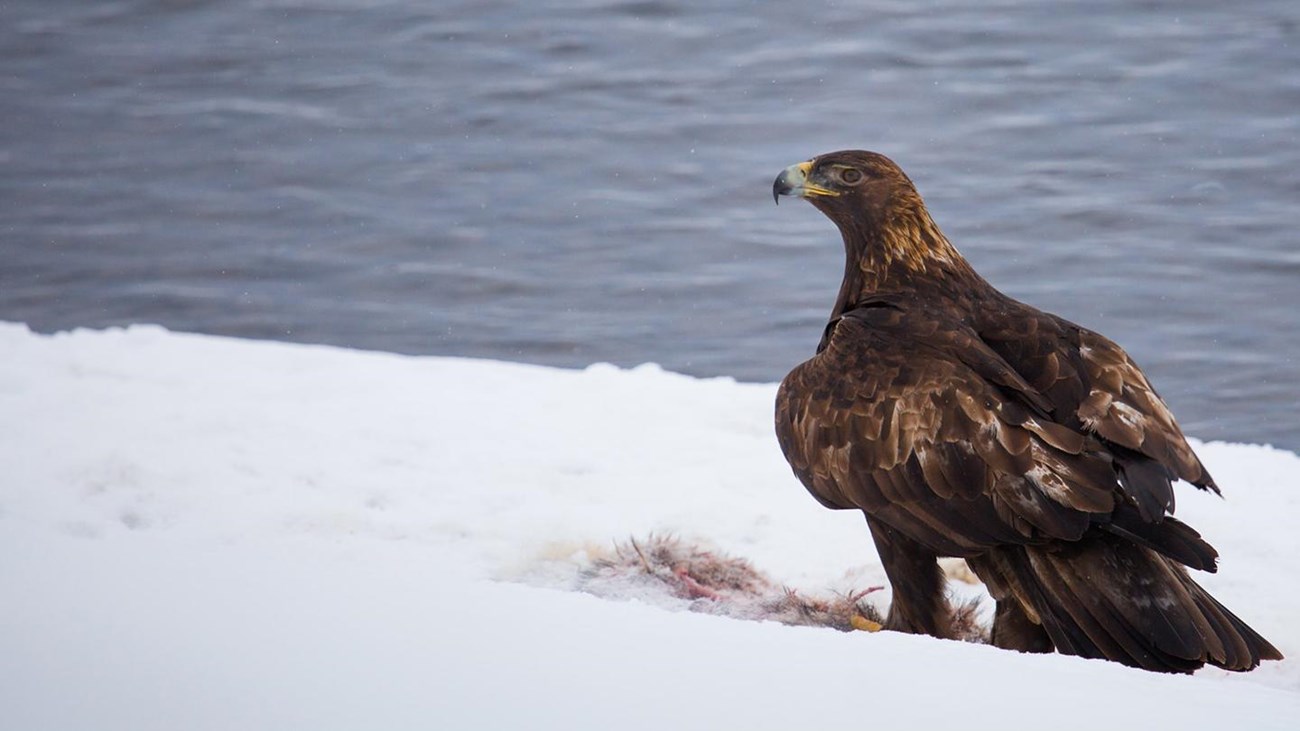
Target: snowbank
x=198 y=532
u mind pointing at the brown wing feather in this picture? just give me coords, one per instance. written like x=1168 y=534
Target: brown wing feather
x=1093 y=387
x=937 y=436
x=1122 y=407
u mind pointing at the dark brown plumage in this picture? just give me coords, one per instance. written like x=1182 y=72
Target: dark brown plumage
x=964 y=423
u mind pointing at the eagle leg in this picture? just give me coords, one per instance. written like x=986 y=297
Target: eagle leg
x=919 y=604
x=1014 y=630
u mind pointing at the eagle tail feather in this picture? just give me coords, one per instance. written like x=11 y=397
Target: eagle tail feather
x=1107 y=597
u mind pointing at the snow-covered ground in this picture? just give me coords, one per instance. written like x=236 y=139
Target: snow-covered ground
x=207 y=533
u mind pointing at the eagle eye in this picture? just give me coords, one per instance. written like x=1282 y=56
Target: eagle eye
x=851 y=176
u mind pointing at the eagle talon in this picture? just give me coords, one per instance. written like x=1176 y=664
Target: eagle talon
x=860 y=622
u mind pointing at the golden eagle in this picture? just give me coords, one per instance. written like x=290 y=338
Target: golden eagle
x=965 y=423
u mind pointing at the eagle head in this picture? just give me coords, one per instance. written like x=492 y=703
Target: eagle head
x=875 y=205
x=848 y=181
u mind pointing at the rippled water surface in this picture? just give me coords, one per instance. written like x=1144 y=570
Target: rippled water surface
x=569 y=182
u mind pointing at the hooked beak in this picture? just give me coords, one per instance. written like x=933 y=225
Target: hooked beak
x=794 y=181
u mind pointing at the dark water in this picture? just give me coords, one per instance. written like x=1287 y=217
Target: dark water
x=565 y=183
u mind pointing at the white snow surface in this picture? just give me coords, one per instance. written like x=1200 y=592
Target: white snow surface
x=207 y=533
